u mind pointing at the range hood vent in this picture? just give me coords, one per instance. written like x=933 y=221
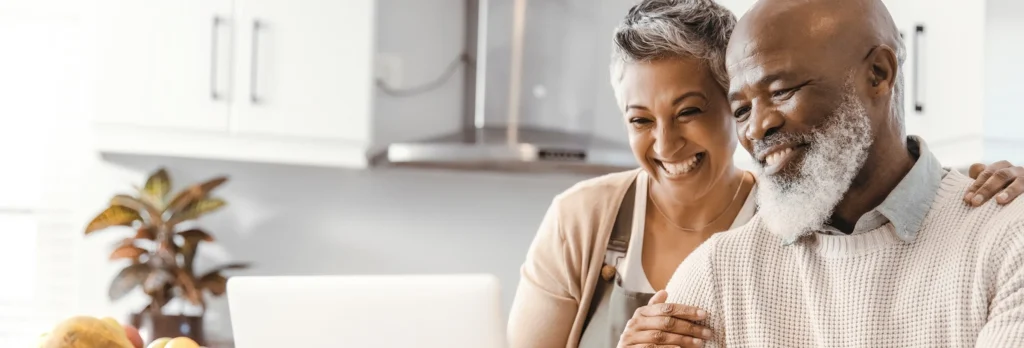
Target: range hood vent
x=534 y=150
x=510 y=146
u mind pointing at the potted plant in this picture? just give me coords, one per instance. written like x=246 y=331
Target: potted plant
x=161 y=253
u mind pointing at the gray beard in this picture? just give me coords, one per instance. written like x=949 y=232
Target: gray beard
x=795 y=204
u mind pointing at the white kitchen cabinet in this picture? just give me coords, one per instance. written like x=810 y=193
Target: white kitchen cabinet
x=303 y=68
x=281 y=81
x=163 y=64
x=960 y=74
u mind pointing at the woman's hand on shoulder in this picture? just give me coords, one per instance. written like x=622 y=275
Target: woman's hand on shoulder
x=1001 y=180
x=661 y=324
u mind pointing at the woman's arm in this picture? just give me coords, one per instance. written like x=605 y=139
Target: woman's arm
x=546 y=301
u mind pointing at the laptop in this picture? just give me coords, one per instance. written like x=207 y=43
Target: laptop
x=428 y=311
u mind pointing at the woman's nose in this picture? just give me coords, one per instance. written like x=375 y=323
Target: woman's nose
x=667 y=141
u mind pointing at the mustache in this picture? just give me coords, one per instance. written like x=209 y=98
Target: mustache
x=780 y=138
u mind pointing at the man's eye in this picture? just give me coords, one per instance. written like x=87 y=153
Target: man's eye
x=742 y=113
x=784 y=93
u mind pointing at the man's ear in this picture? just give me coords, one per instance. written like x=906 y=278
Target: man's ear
x=884 y=67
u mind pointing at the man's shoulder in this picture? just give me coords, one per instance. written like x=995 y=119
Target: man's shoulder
x=753 y=234
x=738 y=248
x=991 y=221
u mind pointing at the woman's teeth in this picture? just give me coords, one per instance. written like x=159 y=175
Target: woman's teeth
x=777 y=156
x=682 y=167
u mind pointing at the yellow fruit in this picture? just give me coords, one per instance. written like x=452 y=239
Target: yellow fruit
x=114 y=325
x=159 y=342
x=182 y=342
x=85 y=332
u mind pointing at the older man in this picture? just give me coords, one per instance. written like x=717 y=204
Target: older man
x=862 y=238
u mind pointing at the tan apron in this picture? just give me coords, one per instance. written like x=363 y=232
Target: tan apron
x=613 y=305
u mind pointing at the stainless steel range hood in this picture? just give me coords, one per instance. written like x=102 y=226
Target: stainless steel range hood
x=507 y=144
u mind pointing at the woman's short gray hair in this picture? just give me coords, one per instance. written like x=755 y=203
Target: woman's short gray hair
x=660 y=29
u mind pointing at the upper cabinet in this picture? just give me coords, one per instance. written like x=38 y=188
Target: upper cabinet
x=960 y=77
x=284 y=81
x=304 y=68
x=164 y=64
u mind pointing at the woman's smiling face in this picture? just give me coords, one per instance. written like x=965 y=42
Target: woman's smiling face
x=679 y=122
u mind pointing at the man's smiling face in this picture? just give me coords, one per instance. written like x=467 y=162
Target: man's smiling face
x=800 y=116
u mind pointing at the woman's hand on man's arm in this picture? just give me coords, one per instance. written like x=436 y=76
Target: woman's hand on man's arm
x=661 y=324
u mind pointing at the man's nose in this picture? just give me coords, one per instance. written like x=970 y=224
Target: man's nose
x=763 y=121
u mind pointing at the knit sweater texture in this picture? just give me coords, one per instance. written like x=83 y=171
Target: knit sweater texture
x=960 y=283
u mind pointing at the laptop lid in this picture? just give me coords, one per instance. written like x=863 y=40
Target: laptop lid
x=459 y=310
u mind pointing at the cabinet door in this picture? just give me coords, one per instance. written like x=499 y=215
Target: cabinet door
x=163 y=63
x=305 y=68
x=944 y=69
x=951 y=71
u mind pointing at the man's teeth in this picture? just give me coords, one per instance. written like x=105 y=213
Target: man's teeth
x=774 y=157
x=681 y=167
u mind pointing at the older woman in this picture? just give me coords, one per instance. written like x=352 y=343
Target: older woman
x=607 y=244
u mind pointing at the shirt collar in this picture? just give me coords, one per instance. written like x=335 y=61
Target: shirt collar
x=908 y=203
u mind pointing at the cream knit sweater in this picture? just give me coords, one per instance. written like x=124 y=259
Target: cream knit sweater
x=960 y=283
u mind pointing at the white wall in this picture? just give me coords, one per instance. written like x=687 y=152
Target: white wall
x=425 y=37
x=1004 y=54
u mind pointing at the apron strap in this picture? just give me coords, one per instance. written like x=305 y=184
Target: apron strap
x=618 y=241
x=623 y=228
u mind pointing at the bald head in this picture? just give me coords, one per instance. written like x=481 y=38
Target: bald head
x=836 y=28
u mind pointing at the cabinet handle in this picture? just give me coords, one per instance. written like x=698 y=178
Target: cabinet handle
x=253 y=75
x=213 y=58
x=918 y=104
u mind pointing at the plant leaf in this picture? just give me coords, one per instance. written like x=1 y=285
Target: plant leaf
x=214 y=282
x=188 y=252
x=196 y=233
x=192 y=194
x=237 y=265
x=157 y=281
x=188 y=286
x=139 y=206
x=146 y=232
x=114 y=215
x=158 y=185
x=128 y=279
x=127 y=251
x=211 y=184
x=197 y=209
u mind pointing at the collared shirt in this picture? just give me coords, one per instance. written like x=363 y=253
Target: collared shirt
x=906 y=206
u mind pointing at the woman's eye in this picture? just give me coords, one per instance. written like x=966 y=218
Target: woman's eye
x=689 y=112
x=639 y=121
x=742 y=113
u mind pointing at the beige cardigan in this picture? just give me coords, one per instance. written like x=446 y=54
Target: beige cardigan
x=562 y=267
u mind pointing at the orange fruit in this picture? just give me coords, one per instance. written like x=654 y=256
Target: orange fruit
x=159 y=342
x=182 y=342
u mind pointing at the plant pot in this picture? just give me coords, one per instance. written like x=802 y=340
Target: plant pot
x=154 y=325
